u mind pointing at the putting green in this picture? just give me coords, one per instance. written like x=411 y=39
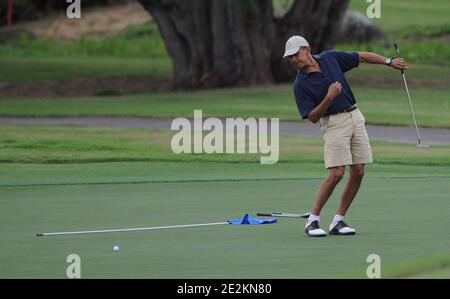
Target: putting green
x=443 y=273
x=400 y=215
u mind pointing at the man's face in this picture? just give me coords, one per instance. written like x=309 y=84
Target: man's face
x=300 y=59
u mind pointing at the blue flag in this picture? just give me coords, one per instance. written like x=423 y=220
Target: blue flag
x=252 y=221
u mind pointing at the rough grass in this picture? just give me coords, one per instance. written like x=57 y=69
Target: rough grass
x=399 y=16
x=135 y=42
x=44 y=68
x=75 y=144
x=137 y=51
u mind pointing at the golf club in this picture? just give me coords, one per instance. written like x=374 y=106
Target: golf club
x=419 y=144
x=280 y=214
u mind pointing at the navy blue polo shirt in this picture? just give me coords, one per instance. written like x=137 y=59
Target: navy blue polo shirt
x=311 y=88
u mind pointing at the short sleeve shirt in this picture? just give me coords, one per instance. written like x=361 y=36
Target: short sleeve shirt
x=311 y=88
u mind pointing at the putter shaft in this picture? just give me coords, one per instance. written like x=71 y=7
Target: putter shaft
x=409 y=98
x=411 y=107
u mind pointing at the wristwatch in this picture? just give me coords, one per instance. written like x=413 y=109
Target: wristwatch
x=389 y=61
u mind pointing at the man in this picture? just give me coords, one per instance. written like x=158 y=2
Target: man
x=323 y=94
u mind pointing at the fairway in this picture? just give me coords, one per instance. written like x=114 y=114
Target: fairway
x=399 y=215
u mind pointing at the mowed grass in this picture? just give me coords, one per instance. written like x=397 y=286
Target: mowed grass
x=383 y=105
x=74 y=144
x=58 y=68
x=389 y=214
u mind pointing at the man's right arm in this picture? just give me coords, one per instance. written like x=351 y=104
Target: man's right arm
x=321 y=109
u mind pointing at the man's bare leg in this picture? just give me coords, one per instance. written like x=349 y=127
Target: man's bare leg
x=327 y=188
x=351 y=188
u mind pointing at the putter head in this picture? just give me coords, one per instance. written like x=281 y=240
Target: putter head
x=281 y=214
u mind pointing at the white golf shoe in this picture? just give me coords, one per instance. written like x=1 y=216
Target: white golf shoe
x=341 y=228
x=314 y=230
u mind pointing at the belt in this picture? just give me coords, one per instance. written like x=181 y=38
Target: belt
x=350 y=109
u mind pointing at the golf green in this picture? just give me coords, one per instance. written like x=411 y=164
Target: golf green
x=400 y=214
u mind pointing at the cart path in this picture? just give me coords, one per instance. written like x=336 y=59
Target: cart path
x=300 y=128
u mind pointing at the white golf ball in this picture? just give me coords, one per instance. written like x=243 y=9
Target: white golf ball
x=116 y=248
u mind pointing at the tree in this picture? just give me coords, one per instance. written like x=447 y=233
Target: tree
x=218 y=43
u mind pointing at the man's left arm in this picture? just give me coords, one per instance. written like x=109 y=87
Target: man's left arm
x=396 y=63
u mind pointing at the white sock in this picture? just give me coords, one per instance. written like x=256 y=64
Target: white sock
x=336 y=219
x=312 y=218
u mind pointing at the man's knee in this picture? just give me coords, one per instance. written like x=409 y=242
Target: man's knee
x=336 y=174
x=357 y=171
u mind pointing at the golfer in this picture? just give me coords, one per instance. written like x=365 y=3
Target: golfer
x=323 y=94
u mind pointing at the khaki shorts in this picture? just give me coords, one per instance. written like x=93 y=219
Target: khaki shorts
x=346 y=139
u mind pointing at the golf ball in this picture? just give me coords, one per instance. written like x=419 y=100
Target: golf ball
x=116 y=248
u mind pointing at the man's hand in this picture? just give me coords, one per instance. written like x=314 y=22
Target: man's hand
x=321 y=109
x=334 y=90
x=399 y=64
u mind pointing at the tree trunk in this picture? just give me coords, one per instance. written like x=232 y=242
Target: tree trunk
x=219 y=43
